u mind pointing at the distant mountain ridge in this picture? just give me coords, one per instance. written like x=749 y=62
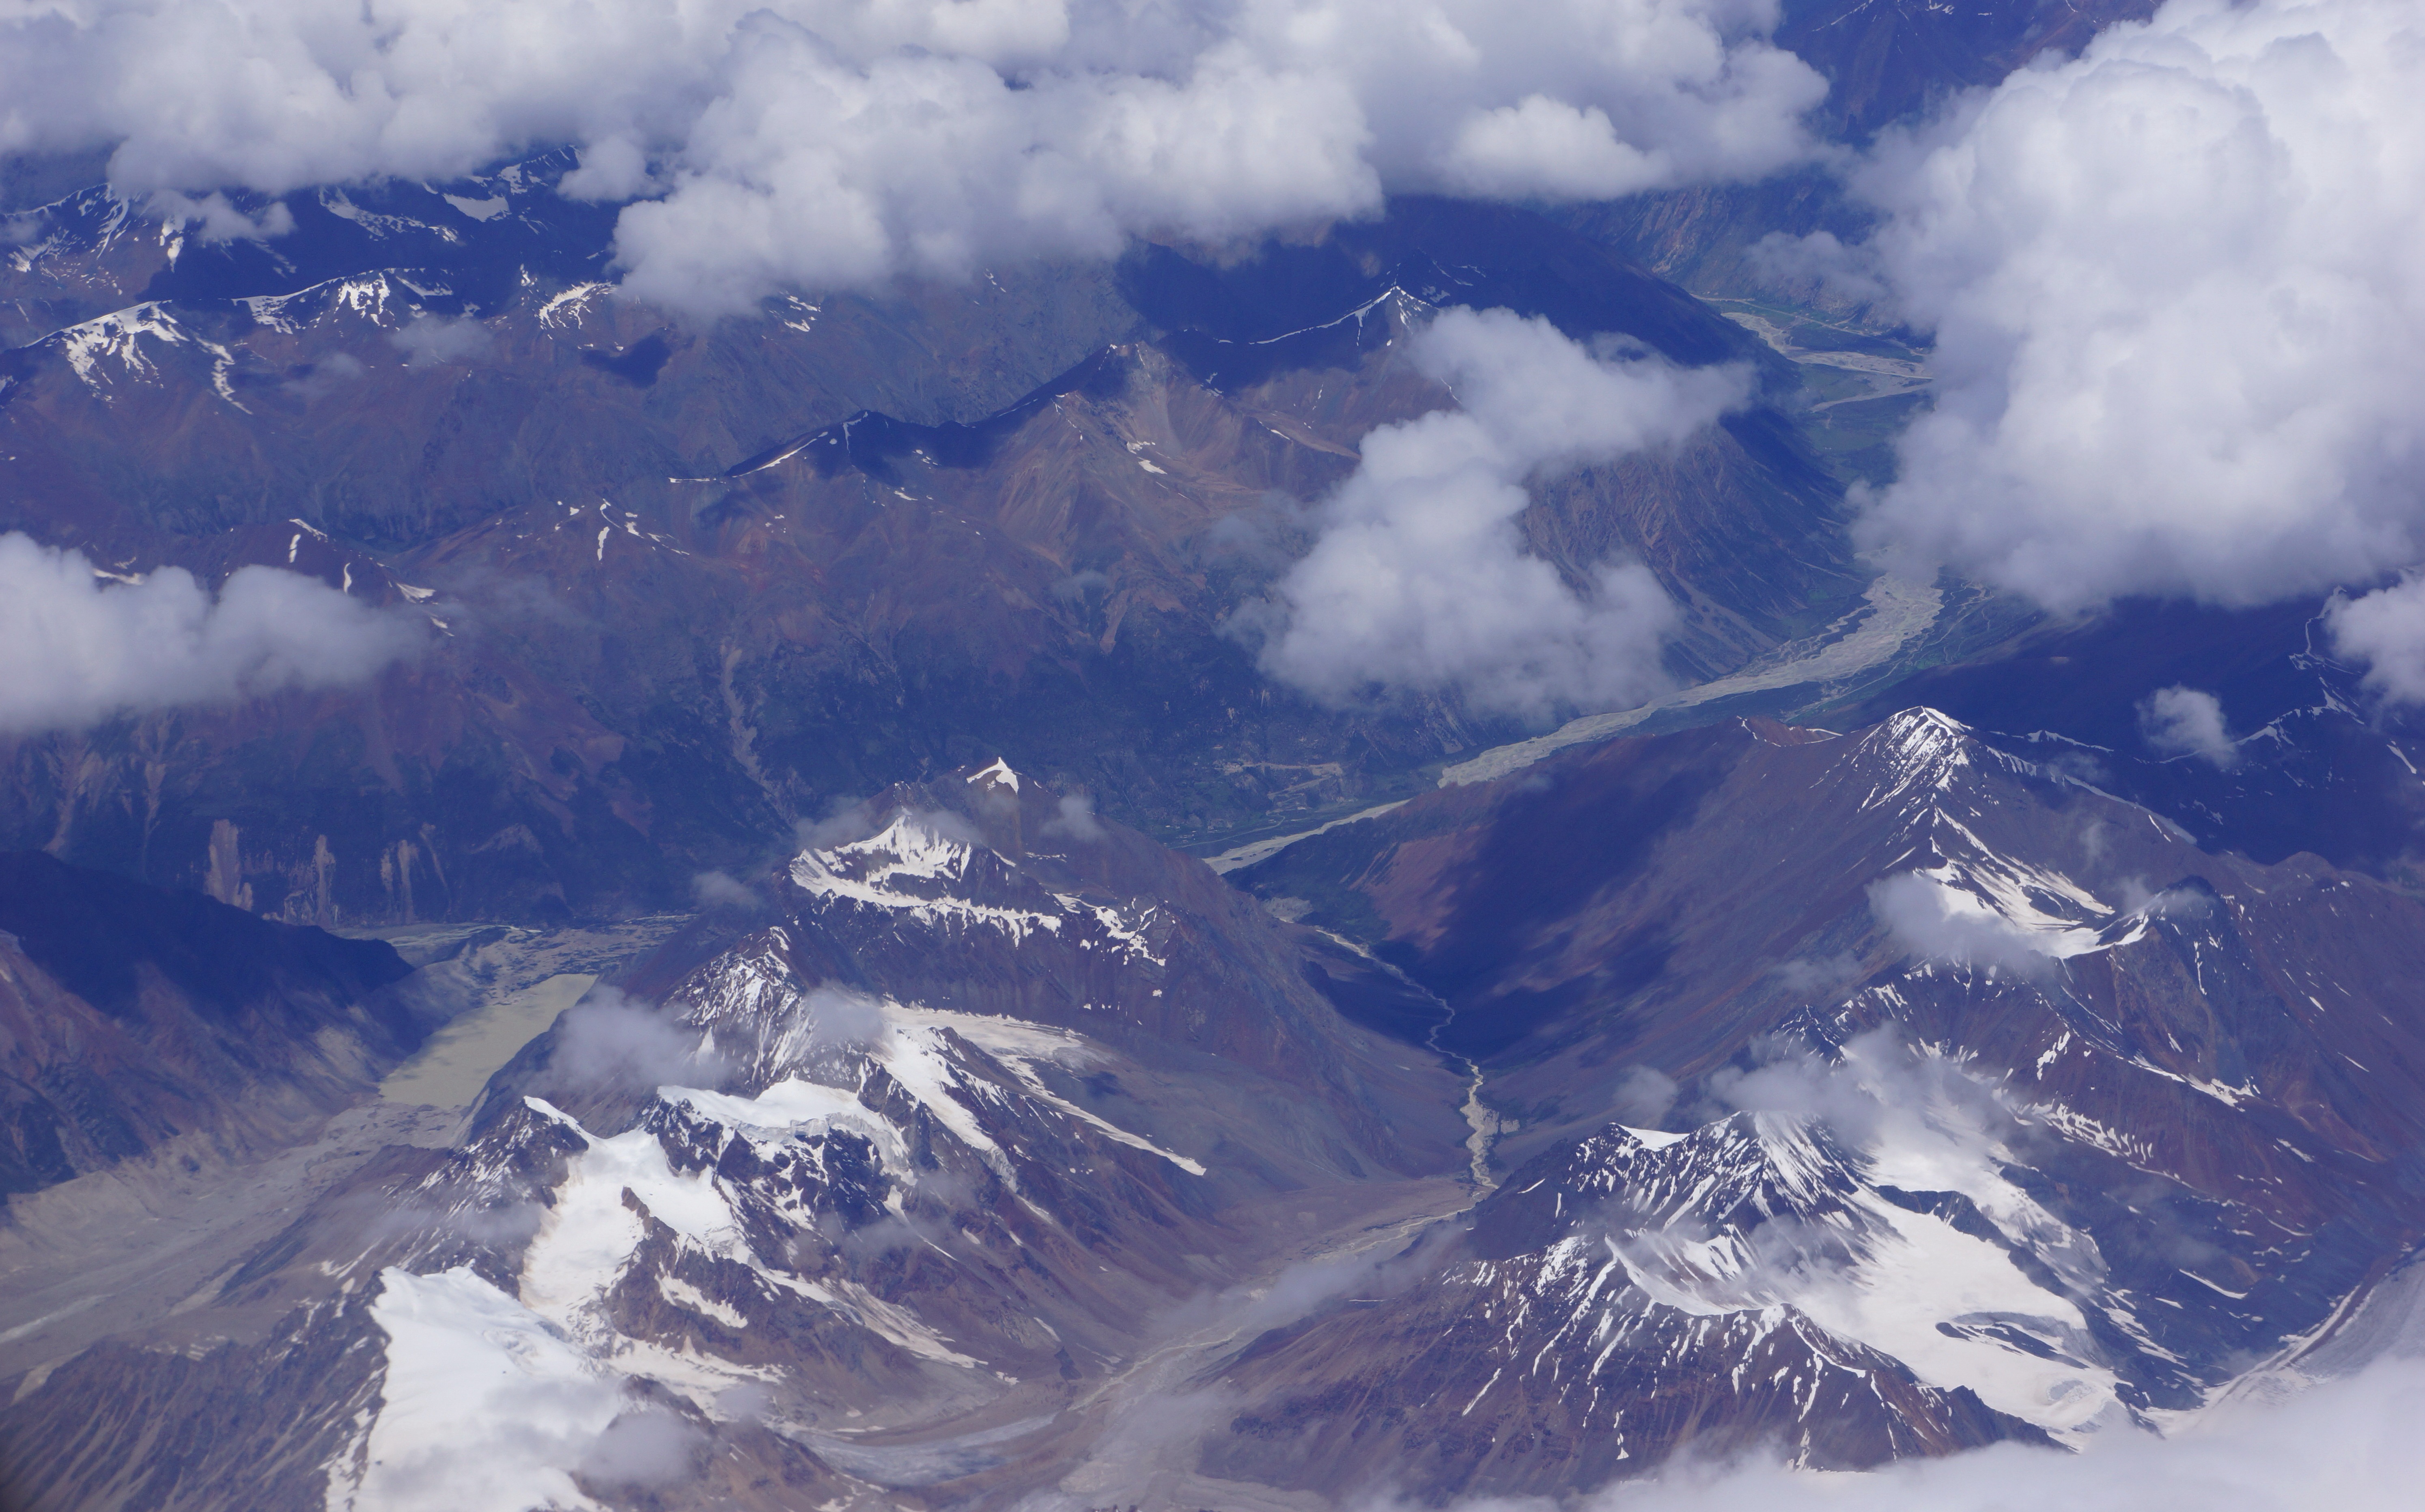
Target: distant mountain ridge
x=661 y=568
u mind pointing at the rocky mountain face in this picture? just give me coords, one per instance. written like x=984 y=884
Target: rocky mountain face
x=985 y=1150
x=1870 y=1066
x=135 y=1021
x=656 y=568
x=982 y=1097
x=1944 y=1063
x=2310 y=757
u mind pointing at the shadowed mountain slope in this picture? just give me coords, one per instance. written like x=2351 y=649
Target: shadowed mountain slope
x=131 y=1016
x=2053 y=1107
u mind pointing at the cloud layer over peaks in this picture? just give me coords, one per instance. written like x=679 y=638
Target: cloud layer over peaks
x=1419 y=579
x=73 y=651
x=823 y=142
x=2179 y=310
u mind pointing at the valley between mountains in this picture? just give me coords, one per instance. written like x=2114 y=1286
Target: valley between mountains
x=1329 y=856
x=990 y=1152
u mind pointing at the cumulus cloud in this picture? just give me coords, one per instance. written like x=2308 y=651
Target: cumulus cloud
x=1899 y=1101
x=2385 y=629
x=1419 y=579
x=2180 y=314
x=844 y=820
x=1822 y=265
x=1641 y=1096
x=2350 y=1445
x=1817 y=977
x=1946 y=924
x=2187 y=722
x=647 y=1447
x=722 y=890
x=75 y=650
x=824 y=142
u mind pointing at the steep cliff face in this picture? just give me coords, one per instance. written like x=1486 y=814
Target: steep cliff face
x=131 y=1016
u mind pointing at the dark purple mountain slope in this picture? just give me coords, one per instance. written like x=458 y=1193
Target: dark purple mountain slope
x=1887 y=1038
x=2318 y=762
x=131 y=1016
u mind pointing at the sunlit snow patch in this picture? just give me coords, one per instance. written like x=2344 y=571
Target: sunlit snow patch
x=484 y=1408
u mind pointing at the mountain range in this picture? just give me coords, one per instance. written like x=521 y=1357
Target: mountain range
x=825 y=970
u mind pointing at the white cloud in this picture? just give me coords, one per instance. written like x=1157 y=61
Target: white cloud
x=722 y=890
x=1641 y=1096
x=74 y=650
x=844 y=820
x=1075 y=817
x=647 y=1447
x=2179 y=312
x=1818 y=978
x=2386 y=629
x=836 y=142
x=436 y=341
x=1822 y=266
x=2350 y=1445
x=1946 y=924
x=2187 y=722
x=839 y=1018
x=214 y=218
x=609 y=1041
x=1419 y=579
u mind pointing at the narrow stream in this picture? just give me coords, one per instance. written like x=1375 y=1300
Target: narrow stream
x=1483 y=1122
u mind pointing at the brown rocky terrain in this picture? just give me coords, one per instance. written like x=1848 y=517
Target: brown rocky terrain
x=686 y=587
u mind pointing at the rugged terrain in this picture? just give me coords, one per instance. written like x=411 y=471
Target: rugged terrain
x=541 y=1074
x=1892 y=1037
x=991 y=1095
x=984 y=1149
x=133 y=1018
x=684 y=587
